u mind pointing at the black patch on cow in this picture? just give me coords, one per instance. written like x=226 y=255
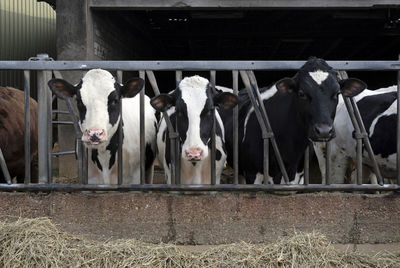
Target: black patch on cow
x=218 y=155
x=113 y=107
x=95 y=159
x=372 y=106
x=113 y=147
x=80 y=105
x=164 y=135
x=383 y=140
x=150 y=155
x=181 y=115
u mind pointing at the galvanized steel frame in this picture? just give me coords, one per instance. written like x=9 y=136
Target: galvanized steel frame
x=245 y=68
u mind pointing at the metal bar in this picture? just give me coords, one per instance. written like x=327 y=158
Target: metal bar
x=42 y=128
x=307 y=165
x=142 y=75
x=235 y=86
x=62 y=122
x=48 y=76
x=178 y=78
x=269 y=132
x=57 y=154
x=197 y=187
x=398 y=128
x=78 y=138
x=328 y=163
x=192 y=65
x=27 y=91
x=266 y=138
x=213 y=145
x=172 y=135
x=366 y=141
x=4 y=168
x=60 y=111
x=120 y=135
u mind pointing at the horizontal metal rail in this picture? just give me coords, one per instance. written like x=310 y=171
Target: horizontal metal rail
x=197 y=188
x=193 y=65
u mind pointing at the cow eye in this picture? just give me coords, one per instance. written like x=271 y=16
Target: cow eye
x=302 y=95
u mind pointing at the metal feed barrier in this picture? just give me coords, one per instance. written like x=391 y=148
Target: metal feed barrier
x=245 y=69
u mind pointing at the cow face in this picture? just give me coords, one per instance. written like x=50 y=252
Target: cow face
x=316 y=87
x=98 y=98
x=194 y=102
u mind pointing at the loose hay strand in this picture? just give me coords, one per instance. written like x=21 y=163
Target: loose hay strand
x=38 y=243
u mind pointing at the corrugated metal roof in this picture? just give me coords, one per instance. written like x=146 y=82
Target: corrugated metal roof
x=27 y=28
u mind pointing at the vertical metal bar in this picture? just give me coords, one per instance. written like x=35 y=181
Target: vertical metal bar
x=398 y=127
x=27 y=90
x=367 y=143
x=213 y=145
x=4 y=168
x=328 y=163
x=78 y=139
x=48 y=75
x=178 y=78
x=264 y=117
x=359 y=161
x=172 y=135
x=120 y=135
x=142 y=75
x=307 y=165
x=266 y=160
x=42 y=128
x=235 y=86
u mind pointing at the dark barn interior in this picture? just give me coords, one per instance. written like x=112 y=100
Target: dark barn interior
x=269 y=34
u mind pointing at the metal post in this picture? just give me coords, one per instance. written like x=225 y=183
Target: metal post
x=213 y=146
x=42 y=128
x=328 y=163
x=252 y=89
x=235 y=86
x=142 y=75
x=4 y=168
x=120 y=135
x=27 y=90
x=48 y=76
x=361 y=135
x=307 y=165
x=178 y=78
x=172 y=135
x=398 y=127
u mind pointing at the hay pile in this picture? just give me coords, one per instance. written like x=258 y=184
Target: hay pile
x=38 y=243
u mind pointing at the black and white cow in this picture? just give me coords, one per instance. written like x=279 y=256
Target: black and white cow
x=379 y=114
x=191 y=104
x=299 y=109
x=98 y=97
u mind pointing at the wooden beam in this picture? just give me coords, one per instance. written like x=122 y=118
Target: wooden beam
x=251 y=4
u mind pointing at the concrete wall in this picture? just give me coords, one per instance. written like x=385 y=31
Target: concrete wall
x=213 y=218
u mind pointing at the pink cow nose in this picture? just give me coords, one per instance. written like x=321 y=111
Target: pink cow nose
x=95 y=135
x=194 y=154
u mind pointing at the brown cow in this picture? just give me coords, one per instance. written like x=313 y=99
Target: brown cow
x=12 y=130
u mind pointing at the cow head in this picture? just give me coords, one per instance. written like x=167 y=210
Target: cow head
x=98 y=98
x=194 y=101
x=316 y=86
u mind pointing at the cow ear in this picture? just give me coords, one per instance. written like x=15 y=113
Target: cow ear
x=163 y=102
x=132 y=87
x=226 y=100
x=286 y=85
x=351 y=87
x=62 y=88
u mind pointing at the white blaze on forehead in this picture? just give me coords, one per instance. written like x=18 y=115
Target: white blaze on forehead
x=194 y=95
x=319 y=76
x=97 y=84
